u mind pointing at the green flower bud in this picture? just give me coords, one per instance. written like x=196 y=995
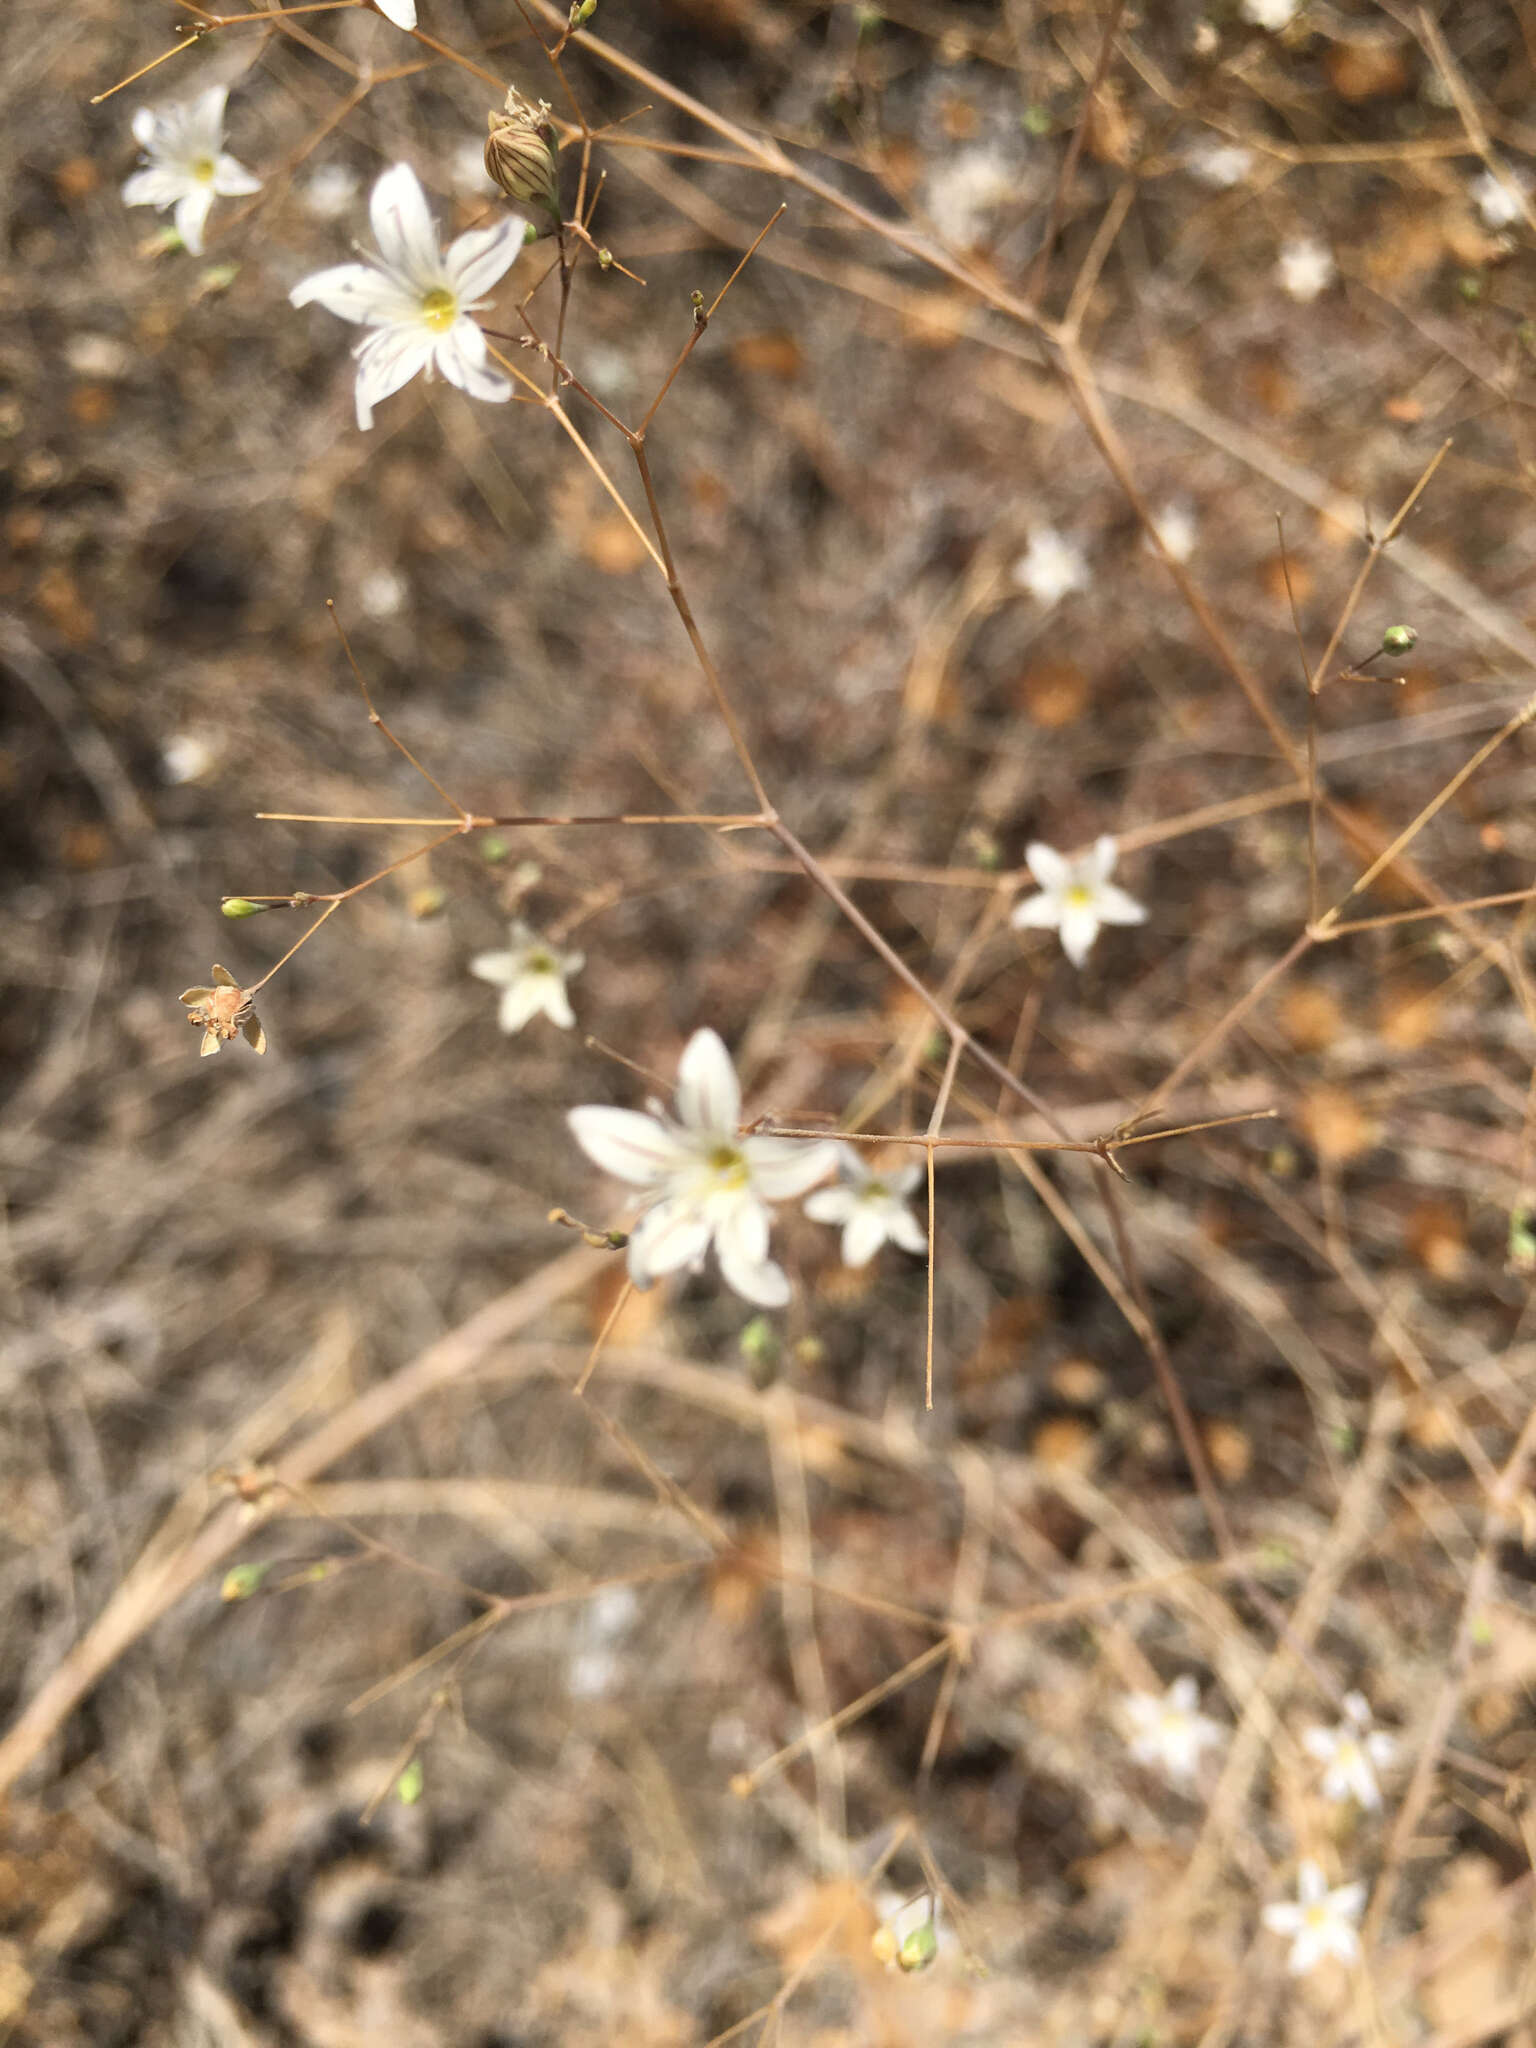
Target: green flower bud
x=242 y=906
x=919 y=1948
x=242 y=1580
x=1398 y=639
x=411 y=1783
x=520 y=156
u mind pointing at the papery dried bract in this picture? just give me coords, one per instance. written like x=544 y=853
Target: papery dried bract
x=224 y=1011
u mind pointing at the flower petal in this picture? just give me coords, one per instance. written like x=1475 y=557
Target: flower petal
x=500 y=968
x=1079 y=929
x=402 y=227
x=831 y=1205
x=477 y=260
x=782 y=1168
x=554 y=1001
x=740 y=1224
x=1036 y=913
x=665 y=1238
x=708 y=1093
x=628 y=1145
x=401 y=12
x=1052 y=870
x=905 y=1229
x=356 y=291
x=144 y=126
x=191 y=217
x=1111 y=905
x=864 y=1235
x=520 y=1000
x=1099 y=865
x=460 y=356
x=205 y=119
x=389 y=358
x=231 y=180
x=767 y=1285
x=153 y=186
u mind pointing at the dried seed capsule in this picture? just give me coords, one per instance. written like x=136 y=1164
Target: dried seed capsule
x=520 y=155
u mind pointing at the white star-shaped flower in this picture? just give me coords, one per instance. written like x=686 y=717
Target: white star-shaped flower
x=1353 y=1753
x=329 y=191
x=1271 y=14
x=416 y=298
x=705 y=1183
x=1051 y=567
x=1168 y=1729
x=401 y=12
x=188 y=167
x=1306 y=269
x=1177 y=529
x=1223 y=164
x=1498 y=198
x=1076 y=898
x=531 y=976
x=871 y=1207
x=1320 y=1922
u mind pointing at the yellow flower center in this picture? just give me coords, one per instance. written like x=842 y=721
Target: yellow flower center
x=1079 y=895
x=541 y=963
x=1317 y=1914
x=439 y=309
x=203 y=168
x=728 y=1166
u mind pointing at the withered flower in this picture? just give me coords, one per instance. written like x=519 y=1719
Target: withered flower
x=224 y=1011
x=520 y=155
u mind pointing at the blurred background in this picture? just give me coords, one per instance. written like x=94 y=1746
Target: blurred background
x=1287 y=253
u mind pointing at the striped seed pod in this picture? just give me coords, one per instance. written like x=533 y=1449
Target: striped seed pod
x=520 y=156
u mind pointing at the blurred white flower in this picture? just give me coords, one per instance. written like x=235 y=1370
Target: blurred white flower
x=1169 y=1730
x=187 y=168
x=1499 y=199
x=416 y=298
x=705 y=1184
x=329 y=191
x=594 y=1666
x=531 y=976
x=965 y=187
x=871 y=1207
x=1076 y=898
x=401 y=12
x=1222 y=164
x=382 y=593
x=185 y=757
x=1051 y=567
x=1177 y=529
x=1271 y=14
x=1353 y=1753
x=1321 y=1922
x=1306 y=268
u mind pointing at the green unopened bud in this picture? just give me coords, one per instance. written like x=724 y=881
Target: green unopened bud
x=520 y=156
x=759 y=1341
x=919 y=1948
x=1398 y=639
x=242 y=1580
x=582 y=11
x=1522 y=1241
x=605 y=259
x=411 y=1783
x=242 y=906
